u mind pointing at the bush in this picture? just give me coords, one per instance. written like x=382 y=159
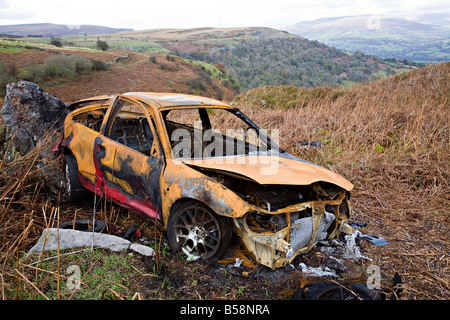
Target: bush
x=102 y=45
x=98 y=65
x=7 y=75
x=62 y=66
x=66 y=66
x=56 y=42
x=196 y=84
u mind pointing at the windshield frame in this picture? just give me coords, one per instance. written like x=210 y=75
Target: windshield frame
x=270 y=147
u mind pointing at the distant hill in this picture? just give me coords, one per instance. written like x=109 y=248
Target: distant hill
x=252 y=57
x=263 y=56
x=382 y=36
x=55 y=30
x=73 y=73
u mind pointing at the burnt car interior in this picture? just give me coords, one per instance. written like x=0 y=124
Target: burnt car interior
x=92 y=119
x=209 y=129
x=128 y=128
x=206 y=127
x=134 y=133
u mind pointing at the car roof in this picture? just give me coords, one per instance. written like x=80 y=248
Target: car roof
x=93 y=100
x=170 y=100
x=156 y=100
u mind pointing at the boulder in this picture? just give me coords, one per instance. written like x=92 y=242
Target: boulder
x=33 y=119
x=29 y=114
x=54 y=238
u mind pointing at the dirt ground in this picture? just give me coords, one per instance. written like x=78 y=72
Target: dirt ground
x=168 y=275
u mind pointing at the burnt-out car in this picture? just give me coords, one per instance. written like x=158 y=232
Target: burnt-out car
x=204 y=170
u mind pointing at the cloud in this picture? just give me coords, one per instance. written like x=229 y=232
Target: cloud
x=10 y=15
x=151 y=14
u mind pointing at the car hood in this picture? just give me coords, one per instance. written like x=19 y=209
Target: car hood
x=272 y=169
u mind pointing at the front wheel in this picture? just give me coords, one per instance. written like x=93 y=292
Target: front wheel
x=198 y=232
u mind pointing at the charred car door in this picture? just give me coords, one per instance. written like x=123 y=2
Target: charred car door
x=128 y=160
x=81 y=130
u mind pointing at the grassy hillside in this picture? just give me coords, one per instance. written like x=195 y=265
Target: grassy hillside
x=383 y=36
x=391 y=138
x=253 y=56
x=66 y=71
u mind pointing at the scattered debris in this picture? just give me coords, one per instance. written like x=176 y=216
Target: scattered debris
x=308 y=144
x=132 y=233
x=357 y=224
x=347 y=249
x=318 y=272
x=240 y=264
x=376 y=240
x=56 y=238
x=332 y=290
x=84 y=225
x=335 y=291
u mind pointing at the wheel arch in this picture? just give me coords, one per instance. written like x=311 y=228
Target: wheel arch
x=219 y=207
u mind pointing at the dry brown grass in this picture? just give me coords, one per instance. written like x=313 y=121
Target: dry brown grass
x=391 y=138
x=31 y=201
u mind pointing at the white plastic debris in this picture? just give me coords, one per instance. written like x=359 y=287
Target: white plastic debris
x=238 y=262
x=319 y=271
x=348 y=250
x=289 y=253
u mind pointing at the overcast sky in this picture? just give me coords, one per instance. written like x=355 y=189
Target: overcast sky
x=153 y=14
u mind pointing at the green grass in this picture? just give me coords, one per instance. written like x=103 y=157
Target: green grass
x=114 y=42
x=16 y=45
x=88 y=43
x=215 y=72
x=102 y=273
x=9 y=46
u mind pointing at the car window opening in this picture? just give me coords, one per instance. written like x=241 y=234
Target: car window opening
x=214 y=132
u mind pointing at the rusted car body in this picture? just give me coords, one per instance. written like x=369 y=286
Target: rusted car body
x=136 y=150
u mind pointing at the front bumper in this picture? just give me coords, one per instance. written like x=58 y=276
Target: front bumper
x=292 y=230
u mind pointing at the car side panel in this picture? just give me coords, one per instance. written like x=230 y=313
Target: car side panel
x=128 y=176
x=182 y=182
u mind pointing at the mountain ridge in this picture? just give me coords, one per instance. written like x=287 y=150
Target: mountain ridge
x=383 y=36
x=56 y=30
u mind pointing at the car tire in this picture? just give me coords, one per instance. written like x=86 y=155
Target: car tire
x=74 y=189
x=335 y=291
x=85 y=225
x=197 y=231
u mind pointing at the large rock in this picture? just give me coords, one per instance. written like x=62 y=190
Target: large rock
x=32 y=118
x=54 y=238
x=30 y=114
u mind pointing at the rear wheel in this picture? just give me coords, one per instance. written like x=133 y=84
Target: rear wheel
x=74 y=189
x=198 y=232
